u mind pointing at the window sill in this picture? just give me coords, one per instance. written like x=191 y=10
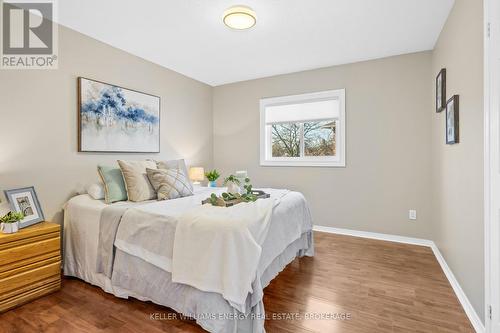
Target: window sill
x=324 y=164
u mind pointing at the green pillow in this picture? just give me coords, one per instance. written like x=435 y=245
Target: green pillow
x=114 y=186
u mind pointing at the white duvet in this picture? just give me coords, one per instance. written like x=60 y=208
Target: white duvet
x=210 y=248
x=218 y=249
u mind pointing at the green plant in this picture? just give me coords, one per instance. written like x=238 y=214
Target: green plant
x=212 y=175
x=227 y=197
x=232 y=179
x=248 y=186
x=12 y=217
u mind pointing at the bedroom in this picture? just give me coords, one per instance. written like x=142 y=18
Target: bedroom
x=364 y=121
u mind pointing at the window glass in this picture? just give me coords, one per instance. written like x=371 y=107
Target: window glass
x=285 y=140
x=319 y=138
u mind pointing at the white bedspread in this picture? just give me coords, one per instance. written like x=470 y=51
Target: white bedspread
x=218 y=249
x=210 y=248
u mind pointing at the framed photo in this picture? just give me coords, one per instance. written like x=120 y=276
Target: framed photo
x=116 y=119
x=452 y=129
x=25 y=200
x=441 y=90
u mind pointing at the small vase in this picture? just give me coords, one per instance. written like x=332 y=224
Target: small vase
x=233 y=188
x=10 y=228
x=212 y=183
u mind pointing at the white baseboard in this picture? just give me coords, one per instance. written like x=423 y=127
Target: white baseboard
x=469 y=310
x=374 y=235
x=464 y=301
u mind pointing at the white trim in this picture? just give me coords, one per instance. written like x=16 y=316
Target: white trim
x=464 y=301
x=334 y=161
x=374 y=235
x=490 y=240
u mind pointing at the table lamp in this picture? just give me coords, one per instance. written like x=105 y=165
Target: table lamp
x=196 y=174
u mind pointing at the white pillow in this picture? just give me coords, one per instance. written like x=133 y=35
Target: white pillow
x=96 y=191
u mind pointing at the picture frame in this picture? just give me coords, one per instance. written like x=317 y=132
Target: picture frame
x=452 y=120
x=441 y=90
x=26 y=201
x=114 y=119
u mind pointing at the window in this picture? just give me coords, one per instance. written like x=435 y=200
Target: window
x=303 y=130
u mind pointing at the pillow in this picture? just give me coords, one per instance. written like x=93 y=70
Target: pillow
x=136 y=180
x=169 y=184
x=176 y=164
x=96 y=191
x=114 y=186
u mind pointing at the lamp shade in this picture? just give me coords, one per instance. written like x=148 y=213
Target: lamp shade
x=196 y=174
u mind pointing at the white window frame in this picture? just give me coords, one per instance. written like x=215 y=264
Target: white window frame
x=266 y=158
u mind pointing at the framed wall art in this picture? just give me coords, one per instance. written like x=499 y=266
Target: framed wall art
x=115 y=119
x=452 y=124
x=441 y=90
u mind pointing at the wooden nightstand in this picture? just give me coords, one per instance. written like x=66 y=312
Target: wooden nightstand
x=30 y=264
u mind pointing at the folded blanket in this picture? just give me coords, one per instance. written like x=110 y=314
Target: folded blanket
x=217 y=249
x=108 y=227
x=148 y=231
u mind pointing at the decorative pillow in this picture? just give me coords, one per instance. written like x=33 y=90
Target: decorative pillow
x=114 y=186
x=176 y=164
x=96 y=191
x=169 y=184
x=136 y=180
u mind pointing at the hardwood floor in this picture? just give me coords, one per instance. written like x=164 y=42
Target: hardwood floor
x=376 y=286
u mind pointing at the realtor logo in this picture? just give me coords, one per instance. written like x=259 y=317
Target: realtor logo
x=29 y=35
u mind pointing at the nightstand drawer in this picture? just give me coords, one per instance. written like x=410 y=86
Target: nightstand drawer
x=28 y=293
x=28 y=278
x=30 y=264
x=14 y=257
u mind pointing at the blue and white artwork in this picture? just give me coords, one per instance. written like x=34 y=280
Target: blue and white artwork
x=115 y=119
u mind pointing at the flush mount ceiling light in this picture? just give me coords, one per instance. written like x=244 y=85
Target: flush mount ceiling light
x=239 y=17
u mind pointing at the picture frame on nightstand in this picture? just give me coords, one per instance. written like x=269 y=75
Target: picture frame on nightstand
x=25 y=200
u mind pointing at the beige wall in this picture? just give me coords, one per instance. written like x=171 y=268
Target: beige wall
x=38 y=118
x=457 y=170
x=388 y=142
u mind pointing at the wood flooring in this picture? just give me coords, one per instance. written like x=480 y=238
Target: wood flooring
x=351 y=285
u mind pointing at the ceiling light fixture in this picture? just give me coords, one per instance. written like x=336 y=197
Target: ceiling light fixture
x=239 y=17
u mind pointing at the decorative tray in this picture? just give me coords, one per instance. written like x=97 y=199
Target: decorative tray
x=223 y=202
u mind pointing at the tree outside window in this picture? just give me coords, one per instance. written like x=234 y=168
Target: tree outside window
x=319 y=139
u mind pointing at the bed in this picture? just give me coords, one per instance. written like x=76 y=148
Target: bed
x=110 y=246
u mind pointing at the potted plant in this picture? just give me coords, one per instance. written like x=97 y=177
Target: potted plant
x=233 y=184
x=10 y=222
x=212 y=176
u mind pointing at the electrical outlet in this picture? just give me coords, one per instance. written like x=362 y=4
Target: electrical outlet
x=412 y=214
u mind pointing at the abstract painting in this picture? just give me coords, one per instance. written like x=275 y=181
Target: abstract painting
x=116 y=119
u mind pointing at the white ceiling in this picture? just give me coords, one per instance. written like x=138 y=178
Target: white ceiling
x=188 y=36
